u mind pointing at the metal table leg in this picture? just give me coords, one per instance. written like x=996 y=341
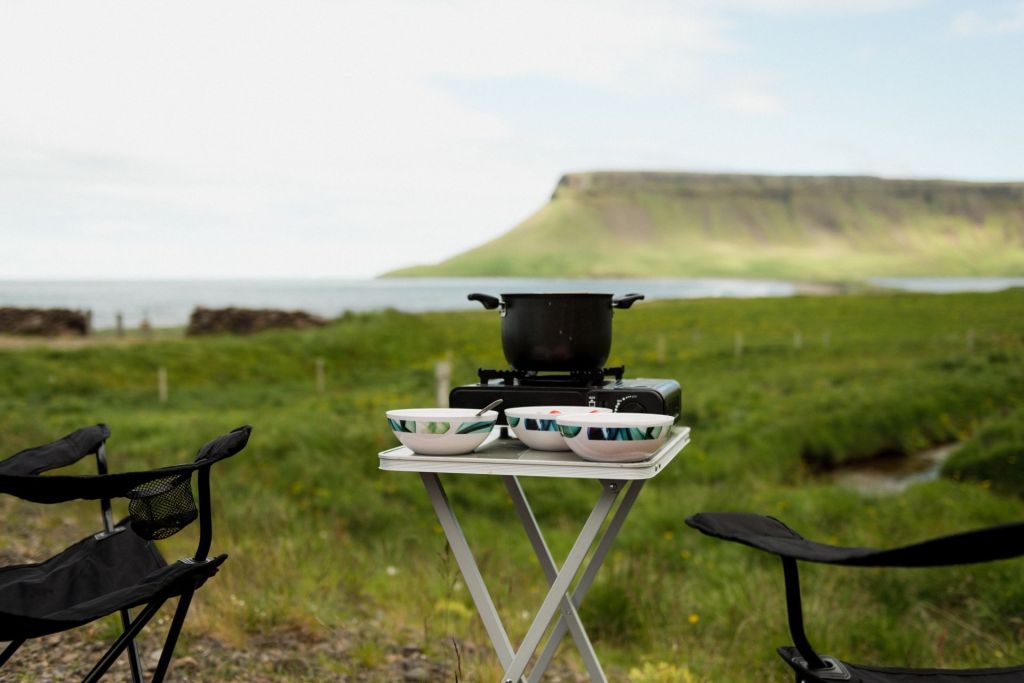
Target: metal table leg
x=560 y=586
x=587 y=578
x=467 y=565
x=569 y=615
x=557 y=601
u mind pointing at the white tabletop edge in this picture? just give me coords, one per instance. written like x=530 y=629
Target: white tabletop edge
x=401 y=459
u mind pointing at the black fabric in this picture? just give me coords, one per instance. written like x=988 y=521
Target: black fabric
x=162 y=508
x=860 y=673
x=771 y=535
x=89 y=580
x=224 y=446
x=102 y=574
x=59 y=453
x=61 y=488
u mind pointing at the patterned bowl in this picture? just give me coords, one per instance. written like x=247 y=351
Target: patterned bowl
x=615 y=437
x=535 y=426
x=441 y=431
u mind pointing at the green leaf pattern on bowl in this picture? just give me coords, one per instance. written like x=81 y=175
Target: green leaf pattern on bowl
x=438 y=427
x=405 y=426
x=512 y=421
x=433 y=427
x=623 y=433
x=541 y=425
x=472 y=427
x=569 y=431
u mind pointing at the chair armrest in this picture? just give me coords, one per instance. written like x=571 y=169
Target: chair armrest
x=218 y=449
x=769 y=534
x=224 y=446
x=59 y=453
x=63 y=488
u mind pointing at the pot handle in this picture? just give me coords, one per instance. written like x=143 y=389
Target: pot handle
x=489 y=302
x=626 y=301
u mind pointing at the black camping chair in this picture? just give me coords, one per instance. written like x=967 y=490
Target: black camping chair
x=771 y=535
x=120 y=567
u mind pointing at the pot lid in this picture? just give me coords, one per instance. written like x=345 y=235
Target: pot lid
x=548 y=295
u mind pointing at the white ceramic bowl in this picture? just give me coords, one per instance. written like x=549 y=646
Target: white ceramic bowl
x=535 y=426
x=441 y=431
x=615 y=437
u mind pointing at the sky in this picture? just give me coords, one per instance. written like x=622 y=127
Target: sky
x=315 y=138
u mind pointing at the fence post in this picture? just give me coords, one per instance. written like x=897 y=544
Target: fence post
x=798 y=340
x=161 y=384
x=738 y=344
x=321 y=381
x=119 y=323
x=443 y=375
x=661 y=349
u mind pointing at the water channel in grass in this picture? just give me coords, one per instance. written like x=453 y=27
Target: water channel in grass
x=889 y=475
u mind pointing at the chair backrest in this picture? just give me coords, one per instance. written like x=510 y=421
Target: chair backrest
x=160 y=501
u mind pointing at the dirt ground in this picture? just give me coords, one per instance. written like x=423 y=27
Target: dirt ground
x=281 y=656
x=358 y=652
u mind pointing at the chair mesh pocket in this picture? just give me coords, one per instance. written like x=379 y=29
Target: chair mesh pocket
x=162 y=507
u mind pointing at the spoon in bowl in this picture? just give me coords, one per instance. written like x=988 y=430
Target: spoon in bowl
x=489 y=406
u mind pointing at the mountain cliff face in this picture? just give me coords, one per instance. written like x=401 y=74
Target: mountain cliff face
x=798 y=227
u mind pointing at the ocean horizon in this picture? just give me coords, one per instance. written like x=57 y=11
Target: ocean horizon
x=169 y=303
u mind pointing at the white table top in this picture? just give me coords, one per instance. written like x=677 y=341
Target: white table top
x=510 y=457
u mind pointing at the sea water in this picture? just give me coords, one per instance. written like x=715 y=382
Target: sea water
x=169 y=303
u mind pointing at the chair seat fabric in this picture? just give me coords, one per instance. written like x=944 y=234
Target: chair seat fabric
x=861 y=673
x=769 y=534
x=89 y=580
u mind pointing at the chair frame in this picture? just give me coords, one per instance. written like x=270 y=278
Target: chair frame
x=821 y=666
x=132 y=626
x=1001 y=542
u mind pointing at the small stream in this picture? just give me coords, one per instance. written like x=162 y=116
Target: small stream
x=892 y=475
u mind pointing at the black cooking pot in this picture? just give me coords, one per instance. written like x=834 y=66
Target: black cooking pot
x=556 y=331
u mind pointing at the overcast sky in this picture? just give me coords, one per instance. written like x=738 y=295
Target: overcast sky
x=342 y=139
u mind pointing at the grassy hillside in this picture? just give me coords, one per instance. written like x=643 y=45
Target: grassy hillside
x=346 y=565
x=818 y=228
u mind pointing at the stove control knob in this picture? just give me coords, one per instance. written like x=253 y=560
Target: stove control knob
x=629 y=404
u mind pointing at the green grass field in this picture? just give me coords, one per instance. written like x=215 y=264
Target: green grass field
x=800 y=228
x=321 y=542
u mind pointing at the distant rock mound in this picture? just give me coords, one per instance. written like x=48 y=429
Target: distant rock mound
x=248 y=320
x=45 y=322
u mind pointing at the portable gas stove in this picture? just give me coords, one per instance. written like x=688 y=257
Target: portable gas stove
x=602 y=388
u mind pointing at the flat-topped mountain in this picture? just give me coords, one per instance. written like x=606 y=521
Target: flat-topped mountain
x=610 y=224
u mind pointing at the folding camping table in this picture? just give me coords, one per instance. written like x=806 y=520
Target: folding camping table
x=508 y=459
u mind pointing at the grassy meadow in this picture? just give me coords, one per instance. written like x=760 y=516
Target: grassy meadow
x=323 y=544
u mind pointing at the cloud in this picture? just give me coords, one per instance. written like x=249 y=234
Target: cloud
x=973 y=23
x=272 y=129
x=273 y=126
x=318 y=79
x=751 y=102
x=823 y=6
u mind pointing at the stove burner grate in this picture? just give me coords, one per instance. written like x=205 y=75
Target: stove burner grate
x=531 y=378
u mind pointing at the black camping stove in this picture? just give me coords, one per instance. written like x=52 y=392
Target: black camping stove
x=602 y=388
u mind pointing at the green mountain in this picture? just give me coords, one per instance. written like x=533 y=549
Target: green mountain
x=798 y=227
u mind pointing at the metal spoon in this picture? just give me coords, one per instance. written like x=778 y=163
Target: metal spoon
x=489 y=406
